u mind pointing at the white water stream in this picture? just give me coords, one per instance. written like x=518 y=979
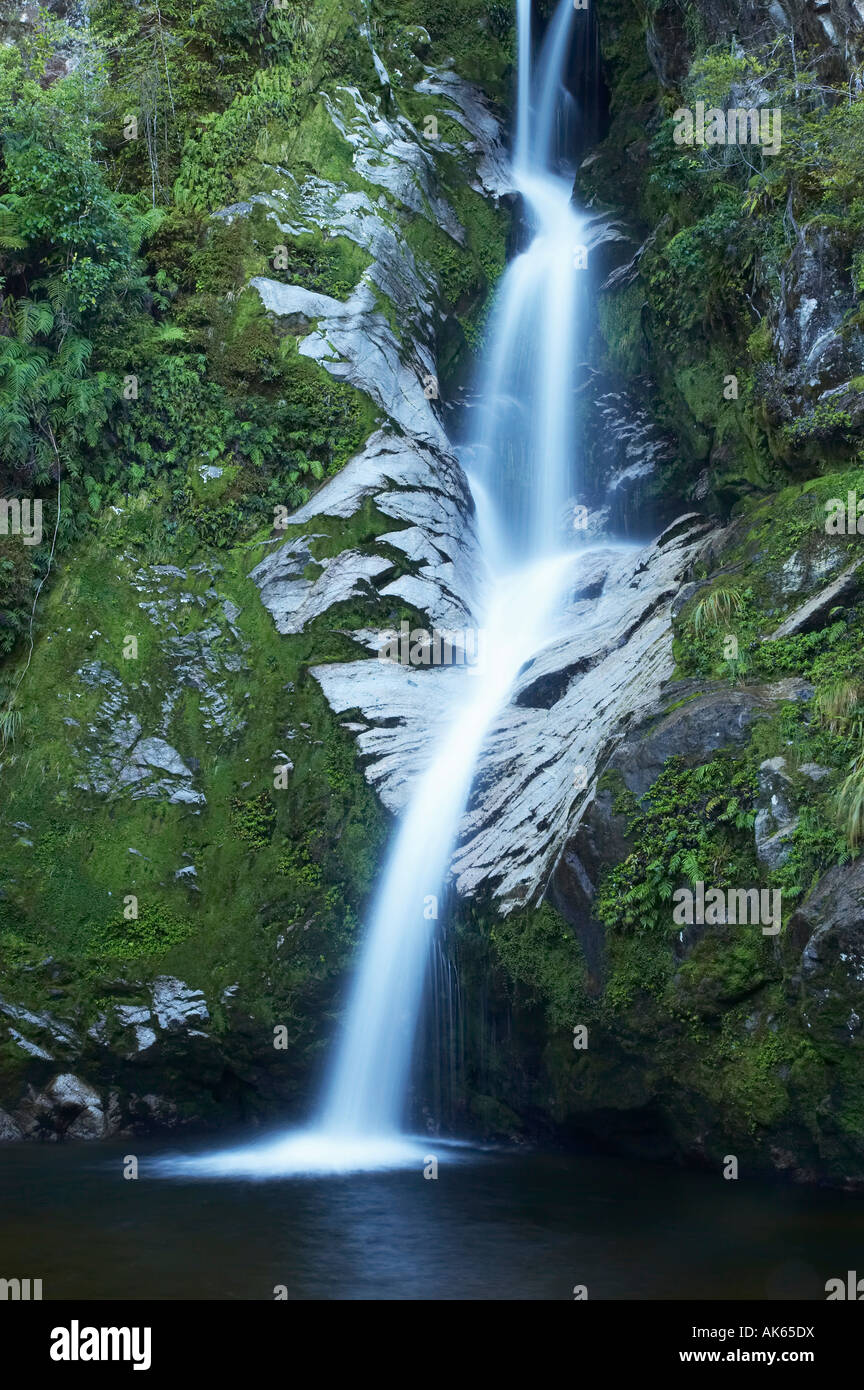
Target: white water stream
x=523 y=460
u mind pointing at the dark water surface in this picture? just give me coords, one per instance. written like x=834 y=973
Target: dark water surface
x=494 y=1225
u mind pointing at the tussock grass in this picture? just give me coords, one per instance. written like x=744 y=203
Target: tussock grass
x=716 y=609
x=850 y=804
x=837 y=707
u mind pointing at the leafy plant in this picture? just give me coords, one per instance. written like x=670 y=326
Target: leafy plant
x=152 y=933
x=253 y=820
x=716 y=609
x=694 y=823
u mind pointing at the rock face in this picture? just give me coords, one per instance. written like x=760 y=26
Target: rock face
x=610 y=654
x=776 y=821
x=128 y=1043
x=787 y=344
x=407 y=469
x=67 y=1108
x=355 y=343
x=814 y=613
x=537 y=773
x=625 y=449
x=424 y=490
x=828 y=929
x=8 y=1128
x=682 y=721
x=353 y=339
x=177 y=1006
x=817 y=357
x=710 y=1037
x=490 y=169
x=120 y=755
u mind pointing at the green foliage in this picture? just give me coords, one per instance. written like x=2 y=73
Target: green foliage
x=699 y=278
x=716 y=609
x=10 y=725
x=823 y=422
x=693 y=824
x=816 y=847
x=253 y=820
x=539 y=950
x=298 y=864
x=805 y=653
x=210 y=174
x=850 y=804
x=19 y=565
x=269 y=451
x=701 y=646
x=837 y=705
x=328 y=266
x=67 y=264
x=713 y=75
x=155 y=931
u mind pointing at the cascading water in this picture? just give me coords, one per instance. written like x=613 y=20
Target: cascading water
x=521 y=462
x=525 y=449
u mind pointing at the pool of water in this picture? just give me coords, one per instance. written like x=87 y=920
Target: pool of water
x=492 y=1225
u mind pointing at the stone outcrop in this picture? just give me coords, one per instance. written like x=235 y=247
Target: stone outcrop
x=683 y=721
x=124 y=750
x=159 y=1029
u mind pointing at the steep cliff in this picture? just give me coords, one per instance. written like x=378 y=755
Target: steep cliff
x=230 y=368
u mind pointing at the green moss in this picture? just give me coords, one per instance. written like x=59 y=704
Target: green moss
x=149 y=937
x=723 y=969
x=467 y=275
x=637 y=967
x=619 y=318
x=478 y=35
x=540 y=951
x=65 y=893
x=749 y=1086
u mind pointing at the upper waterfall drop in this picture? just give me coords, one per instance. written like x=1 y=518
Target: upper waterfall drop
x=521 y=461
x=523 y=79
x=524 y=449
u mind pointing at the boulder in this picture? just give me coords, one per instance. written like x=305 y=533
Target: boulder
x=68 y=1107
x=814 y=614
x=8 y=1128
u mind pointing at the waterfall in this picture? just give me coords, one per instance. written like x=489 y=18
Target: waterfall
x=526 y=441
x=521 y=463
x=445 y=1036
x=523 y=94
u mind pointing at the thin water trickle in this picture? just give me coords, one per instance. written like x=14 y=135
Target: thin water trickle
x=522 y=463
